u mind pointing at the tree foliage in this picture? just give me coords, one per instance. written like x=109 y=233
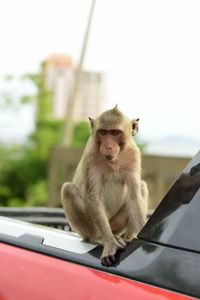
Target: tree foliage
x=23 y=170
x=80 y=135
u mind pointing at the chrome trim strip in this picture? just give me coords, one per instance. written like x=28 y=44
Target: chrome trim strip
x=59 y=239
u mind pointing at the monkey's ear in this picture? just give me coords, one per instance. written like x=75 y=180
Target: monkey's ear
x=115 y=108
x=135 y=126
x=91 y=122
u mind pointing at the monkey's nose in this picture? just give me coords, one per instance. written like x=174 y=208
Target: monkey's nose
x=108 y=148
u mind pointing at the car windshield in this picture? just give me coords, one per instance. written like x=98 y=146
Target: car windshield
x=176 y=220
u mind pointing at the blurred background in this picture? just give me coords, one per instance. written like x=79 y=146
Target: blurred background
x=62 y=61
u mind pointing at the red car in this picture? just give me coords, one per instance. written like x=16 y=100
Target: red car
x=38 y=262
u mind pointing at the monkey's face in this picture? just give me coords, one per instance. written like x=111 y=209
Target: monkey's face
x=110 y=142
x=113 y=132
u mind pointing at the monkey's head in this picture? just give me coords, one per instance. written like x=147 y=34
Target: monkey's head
x=112 y=131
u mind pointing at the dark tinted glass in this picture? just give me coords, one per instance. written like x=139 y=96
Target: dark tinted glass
x=176 y=221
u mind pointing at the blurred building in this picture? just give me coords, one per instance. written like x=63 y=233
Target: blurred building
x=59 y=77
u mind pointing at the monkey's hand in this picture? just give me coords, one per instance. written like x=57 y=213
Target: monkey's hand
x=109 y=251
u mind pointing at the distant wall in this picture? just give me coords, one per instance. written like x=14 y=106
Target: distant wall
x=159 y=171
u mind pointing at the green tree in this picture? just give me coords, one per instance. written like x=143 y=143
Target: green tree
x=81 y=133
x=23 y=170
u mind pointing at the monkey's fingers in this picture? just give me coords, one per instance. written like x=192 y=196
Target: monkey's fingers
x=105 y=261
x=108 y=260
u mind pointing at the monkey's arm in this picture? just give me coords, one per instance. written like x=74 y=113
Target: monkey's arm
x=97 y=212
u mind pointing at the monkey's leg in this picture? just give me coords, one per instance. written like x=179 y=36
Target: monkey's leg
x=76 y=214
x=118 y=221
x=118 y=224
x=137 y=210
x=145 y=195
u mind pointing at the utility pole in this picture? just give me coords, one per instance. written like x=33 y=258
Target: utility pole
x=69 y=121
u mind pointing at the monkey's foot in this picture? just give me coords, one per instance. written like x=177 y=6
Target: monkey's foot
x=109 y=251
x=120 y=240
x=128 y=237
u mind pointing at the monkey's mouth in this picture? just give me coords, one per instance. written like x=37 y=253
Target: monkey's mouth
x=109 y=157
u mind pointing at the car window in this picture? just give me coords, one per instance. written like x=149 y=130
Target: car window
x=176 y=221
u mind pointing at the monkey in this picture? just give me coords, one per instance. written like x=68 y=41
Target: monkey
x=106 y=202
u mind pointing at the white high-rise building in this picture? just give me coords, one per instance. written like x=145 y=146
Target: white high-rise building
x=59 y=77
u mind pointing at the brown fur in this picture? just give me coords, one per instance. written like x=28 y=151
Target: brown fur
x=107 y=201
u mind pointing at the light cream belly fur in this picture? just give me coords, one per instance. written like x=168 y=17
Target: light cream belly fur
x=113 y=193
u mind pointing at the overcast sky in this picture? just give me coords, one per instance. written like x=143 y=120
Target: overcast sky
x=150 y=51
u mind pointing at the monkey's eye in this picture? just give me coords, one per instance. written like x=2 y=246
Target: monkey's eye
x=115 y=132
x=102 y=132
